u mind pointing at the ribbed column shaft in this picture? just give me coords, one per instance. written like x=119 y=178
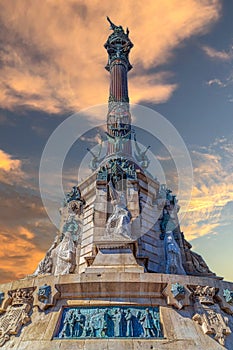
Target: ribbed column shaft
x=118 y=47
x=118 y=83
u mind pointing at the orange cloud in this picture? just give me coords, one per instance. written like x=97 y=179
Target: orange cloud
x=19 y=254
x=24 y=232
x=7 y=163
x=193 y=230
x=10 y=169
x=53 y=59
x=153 y=88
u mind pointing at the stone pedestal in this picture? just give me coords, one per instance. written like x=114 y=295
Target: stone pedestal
x=194 y=313
x=114 y=258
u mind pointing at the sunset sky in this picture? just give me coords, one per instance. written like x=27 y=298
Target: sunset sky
x=52 y=65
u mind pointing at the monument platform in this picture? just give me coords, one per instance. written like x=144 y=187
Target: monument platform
x=180 y=323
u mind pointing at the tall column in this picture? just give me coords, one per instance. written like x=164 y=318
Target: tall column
x=118 y=47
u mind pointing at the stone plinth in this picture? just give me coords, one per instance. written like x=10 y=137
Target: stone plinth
x=179 y=310
x=114 y=258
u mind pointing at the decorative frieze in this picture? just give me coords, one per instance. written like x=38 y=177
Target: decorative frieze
x=111 y=322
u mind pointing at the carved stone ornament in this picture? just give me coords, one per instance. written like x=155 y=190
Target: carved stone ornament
x=177 y=295
x=204 y=294
x=74 y=201
x=76 y=207
x=225 y=299
x=102 y=174
x=208 y=314
x=2 y=297
x=17 y=313
x=228 y=295
x=118 y=169
x=213 y=323
x=44 y=294
x=46 y=297
x=178 y=290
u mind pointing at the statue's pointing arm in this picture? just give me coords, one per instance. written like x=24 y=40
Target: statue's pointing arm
x=112 y=25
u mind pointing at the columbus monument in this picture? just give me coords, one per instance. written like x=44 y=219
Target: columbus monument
x=120 y=273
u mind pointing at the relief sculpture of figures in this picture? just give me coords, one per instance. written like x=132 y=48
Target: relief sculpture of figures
x=148 y=324
x=67 y=330
x=119 y=223
x=116 y=319
x=130 y=320
x=108 y=326
x=96 y=324
x=111 y=322
x=79 y=323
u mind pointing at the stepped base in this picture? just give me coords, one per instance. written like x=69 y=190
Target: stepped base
x=180 y=319
x=115 y=260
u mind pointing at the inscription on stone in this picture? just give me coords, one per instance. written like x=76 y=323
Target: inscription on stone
x=111 y=322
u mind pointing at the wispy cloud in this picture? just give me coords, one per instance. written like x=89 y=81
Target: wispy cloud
x=225 y=57
x=217 y=82
x=225 y=82
x=218 y=55
x=53 y=59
